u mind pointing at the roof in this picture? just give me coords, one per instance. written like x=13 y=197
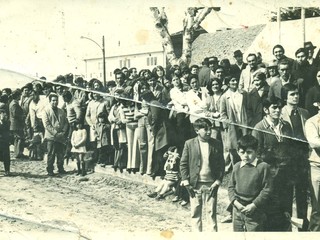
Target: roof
x=222 y=44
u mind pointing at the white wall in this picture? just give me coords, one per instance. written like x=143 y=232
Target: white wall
x=94 y=67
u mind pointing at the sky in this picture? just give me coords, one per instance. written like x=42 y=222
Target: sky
x=42 y=37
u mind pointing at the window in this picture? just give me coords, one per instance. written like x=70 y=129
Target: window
x=120 y=63
x=100 y=65
x=151 y=61
x=128 y=60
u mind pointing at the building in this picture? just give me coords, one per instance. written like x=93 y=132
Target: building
x=140 y=56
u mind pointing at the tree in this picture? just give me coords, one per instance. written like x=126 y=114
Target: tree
x=193 y=18
x=293 y=13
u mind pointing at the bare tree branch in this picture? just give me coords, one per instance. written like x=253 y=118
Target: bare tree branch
x=161 y=23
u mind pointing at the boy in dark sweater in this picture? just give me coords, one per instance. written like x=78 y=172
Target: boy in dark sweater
x=249 y=187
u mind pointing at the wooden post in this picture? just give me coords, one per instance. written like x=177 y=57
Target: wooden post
x=279 y=24
x=303 y=22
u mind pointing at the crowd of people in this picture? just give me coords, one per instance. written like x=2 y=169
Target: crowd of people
x=141 y=120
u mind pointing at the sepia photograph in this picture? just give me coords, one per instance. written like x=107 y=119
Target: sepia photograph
x=159 y=119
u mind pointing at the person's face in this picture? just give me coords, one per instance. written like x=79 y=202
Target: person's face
x=318 y=77
x=293 y=97
x=101 y=120
x=301 y=57
x=26 y=92
x=284 y=71
x=134 y=72
x=194 y=84
x=248 y=155
x=176 y=82
x=54 y=102
x=310 y=52
x=213 y=65
x=143 y=88
x=119 y=79
x=219 y=73
x=59 y=89
x=96 y=86
x=272 y=71
x=257 y=82
x=96 y=96
x=194 y=70
x=167 y=83
x=146 y=74
x=215 y=87
x=252 y=62
x=125 y=72
x=278 y=53
x=159 y=72
x=239 y=59
x=274 y=111
x=233 y=84
x=204 y=133
x=152 y=82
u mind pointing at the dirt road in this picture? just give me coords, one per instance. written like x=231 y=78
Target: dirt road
x=86 y=207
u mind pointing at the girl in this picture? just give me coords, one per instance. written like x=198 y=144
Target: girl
x=78 y=142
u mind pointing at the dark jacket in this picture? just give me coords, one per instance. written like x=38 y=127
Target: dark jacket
x=190 y=161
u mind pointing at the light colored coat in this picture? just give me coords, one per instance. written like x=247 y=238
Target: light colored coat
x=54 y=124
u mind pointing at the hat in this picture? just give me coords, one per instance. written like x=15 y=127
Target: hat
x=237 y=53
x=272 y=63
x=309 y=45
x=213 y=59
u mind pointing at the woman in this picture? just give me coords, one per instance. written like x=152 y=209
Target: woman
x=233 y=107
x=178 y=112
x=212 y=109
x=157 y=119
x=159 y=73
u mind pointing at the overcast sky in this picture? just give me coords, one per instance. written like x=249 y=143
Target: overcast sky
x=43 y=36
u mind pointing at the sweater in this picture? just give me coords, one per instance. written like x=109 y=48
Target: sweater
x=250 y=184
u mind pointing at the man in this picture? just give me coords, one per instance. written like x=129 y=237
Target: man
x=310 y=50
x=194 y=69
x=297 y=117
x=278 y=53
x=239 y=64
x=305 y=73
x=271 y=129
x=285 y=77
x=56 y=126
x=204 y=73
x=202 y=170
x=17 y=120
x=313 y=136
x=246 y=77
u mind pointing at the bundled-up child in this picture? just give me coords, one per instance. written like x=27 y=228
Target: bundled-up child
x=78 y=142
x=171 y=177
x=4 y=140
x=102 y=132
x=249 y=188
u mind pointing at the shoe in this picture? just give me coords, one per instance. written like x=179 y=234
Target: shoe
x=7 y=173
x=184 y=203
x=159 y=197
x=227 y=219
x=51 y=174
x=176 y=199
x=152 y=195
x=62 y=171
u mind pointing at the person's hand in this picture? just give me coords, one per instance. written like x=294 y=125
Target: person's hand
x=287 y=215
x=249 y=209
x=238 y=205
x=190 y=191
x=214 y=188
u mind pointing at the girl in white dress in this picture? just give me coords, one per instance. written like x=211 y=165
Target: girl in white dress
x=78 y=142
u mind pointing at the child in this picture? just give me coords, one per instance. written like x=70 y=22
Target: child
x=78 y=142
x=102 y=132
x=171 y=178
x=249 y=187
x=202 y=170
x=4 y=140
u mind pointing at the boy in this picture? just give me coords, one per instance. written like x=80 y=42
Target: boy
x=249 y=187
x=202 y=169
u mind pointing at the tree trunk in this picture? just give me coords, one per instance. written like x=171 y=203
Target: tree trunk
x=191 y=23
